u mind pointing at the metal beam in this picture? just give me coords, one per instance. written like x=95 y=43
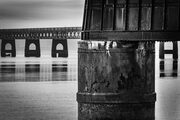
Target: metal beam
x=132 y=35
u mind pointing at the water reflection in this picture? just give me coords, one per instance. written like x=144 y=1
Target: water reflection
x=51 y=70
x=32 y=68
x=32 y=72
x=8 y=68
x=168 y=68
x=7 y=71
x=59 y=67
x=59 y=71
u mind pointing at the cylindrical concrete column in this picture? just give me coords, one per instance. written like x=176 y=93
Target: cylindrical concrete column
x=116 y=80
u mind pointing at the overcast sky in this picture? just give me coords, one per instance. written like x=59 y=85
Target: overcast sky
x=40 y=13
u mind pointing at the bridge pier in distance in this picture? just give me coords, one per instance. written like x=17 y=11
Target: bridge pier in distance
x=174 y=51
x=32 y=48
x=8 y=48
x=116 y=83
x=57 y=52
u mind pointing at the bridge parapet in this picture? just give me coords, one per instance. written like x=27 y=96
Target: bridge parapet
x=42 y=33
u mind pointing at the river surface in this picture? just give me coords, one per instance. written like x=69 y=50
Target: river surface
x=45 y=88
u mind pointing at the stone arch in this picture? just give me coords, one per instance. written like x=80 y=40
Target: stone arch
x=59 y=47
x=32 y=46
x=8 y=46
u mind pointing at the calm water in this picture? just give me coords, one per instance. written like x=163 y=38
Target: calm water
x=45 y=88
x=38 y=88
x=37 y=69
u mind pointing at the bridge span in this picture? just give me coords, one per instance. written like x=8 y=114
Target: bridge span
x=32 y=38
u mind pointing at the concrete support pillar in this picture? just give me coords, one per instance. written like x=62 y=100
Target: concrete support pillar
x=11 y=50
x=116 y=81
x=32 y=52
x=59 y=52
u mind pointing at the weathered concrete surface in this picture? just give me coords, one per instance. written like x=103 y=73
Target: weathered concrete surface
x=142 y=111
x=120 y=77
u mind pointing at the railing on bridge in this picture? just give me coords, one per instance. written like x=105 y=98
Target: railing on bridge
x=42 y=33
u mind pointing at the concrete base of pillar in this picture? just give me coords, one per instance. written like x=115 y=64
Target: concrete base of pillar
x=142 y=111
x=116 y=80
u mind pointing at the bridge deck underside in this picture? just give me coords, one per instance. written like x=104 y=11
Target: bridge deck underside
x=132 y=35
